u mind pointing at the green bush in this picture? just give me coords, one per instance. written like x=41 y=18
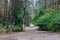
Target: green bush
x=0 y=17
x=17 y=29
x=18 y=19
x=50 y=17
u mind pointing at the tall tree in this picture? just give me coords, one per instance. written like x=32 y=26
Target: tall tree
x=6 y=14
x=26 y=14
x=46 y=4
x=56 y=4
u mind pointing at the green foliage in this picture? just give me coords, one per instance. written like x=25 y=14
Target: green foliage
x=19 y=16
x=0 y=17
x=18 y=19
x=2 y=29
x=17 y=29
x=37 y=17
x=51 y=18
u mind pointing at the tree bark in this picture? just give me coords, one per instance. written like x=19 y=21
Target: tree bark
x=45 y=4
x=56 y=4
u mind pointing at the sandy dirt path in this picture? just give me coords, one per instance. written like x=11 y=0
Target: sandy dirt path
x=31 y=35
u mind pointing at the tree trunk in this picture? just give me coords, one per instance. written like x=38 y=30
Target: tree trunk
x=45 y=4
x=56 y=4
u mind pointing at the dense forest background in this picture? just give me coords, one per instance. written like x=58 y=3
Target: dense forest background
x=17 y=14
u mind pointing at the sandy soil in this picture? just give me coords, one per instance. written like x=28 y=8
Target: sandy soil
x=31 y=35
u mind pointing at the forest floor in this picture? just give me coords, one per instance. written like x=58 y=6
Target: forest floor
x=31 y=34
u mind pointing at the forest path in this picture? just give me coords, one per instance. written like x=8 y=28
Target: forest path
x=31 y=34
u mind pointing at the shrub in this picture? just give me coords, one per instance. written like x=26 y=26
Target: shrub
x=51 y=17
x=18 y=19
x=17 y=29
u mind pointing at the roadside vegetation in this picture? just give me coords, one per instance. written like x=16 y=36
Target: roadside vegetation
x=48 y=20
